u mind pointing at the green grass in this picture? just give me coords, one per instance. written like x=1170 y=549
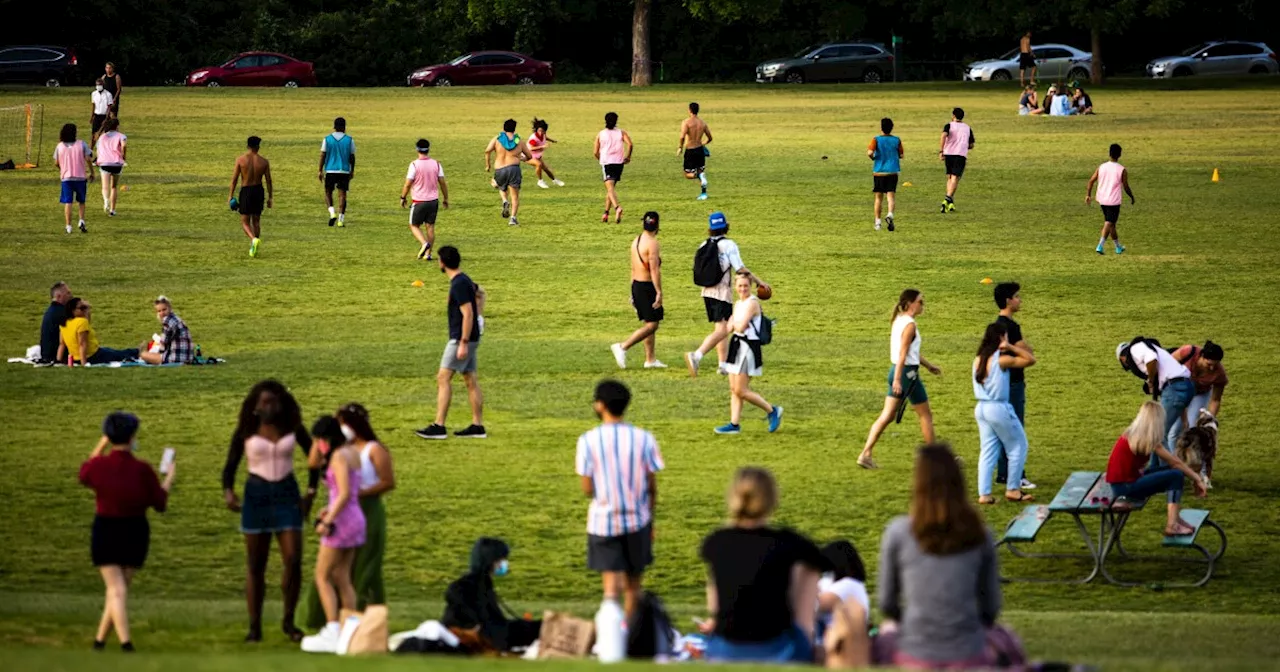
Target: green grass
x=331 y=312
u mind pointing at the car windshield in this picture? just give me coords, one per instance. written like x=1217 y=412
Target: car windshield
x=1195 y=50
x=807 y=50
x=1010 y=56
x=460 y=59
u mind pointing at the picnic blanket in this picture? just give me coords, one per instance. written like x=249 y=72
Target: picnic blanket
x=32 y=358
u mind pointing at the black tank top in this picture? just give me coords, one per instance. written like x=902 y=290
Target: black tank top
x=109 y=83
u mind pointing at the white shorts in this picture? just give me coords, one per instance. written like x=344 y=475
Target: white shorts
x=745 y=363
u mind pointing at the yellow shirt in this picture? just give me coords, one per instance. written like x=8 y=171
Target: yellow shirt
x=70 y=337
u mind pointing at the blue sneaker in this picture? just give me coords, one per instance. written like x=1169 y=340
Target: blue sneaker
x=1119 y=248
x=1098 y=249
x=702 y=196
x=775 y=419
x=729 y=429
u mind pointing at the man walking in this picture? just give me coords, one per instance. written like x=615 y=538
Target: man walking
x=692 y=132
x=953 y=150
x=612 y=149
x=460 y=352
x=618 y=465
x=646 y=294
x=252 y=171
x=337 y=167
x=507 y=178
x=885 y=150
x=54 y=315
x=1026 y=60
x=426 y=185
x=1009 y=301
x=718 y=297
x=1110 y=177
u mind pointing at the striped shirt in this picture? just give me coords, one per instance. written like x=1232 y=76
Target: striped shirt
x=618 y=458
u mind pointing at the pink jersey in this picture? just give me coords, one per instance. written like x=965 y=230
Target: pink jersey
x=73 y=160
x=1110 y=183
x=958 y=135
x=612 y=149
x=424 y=174
x=536 y=145
x=111 y=149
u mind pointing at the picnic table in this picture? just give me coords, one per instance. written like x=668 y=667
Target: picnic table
x=1086 y=496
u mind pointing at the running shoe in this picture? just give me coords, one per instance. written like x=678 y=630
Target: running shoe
x=1027 y=485
x=333 y=220
x=85 y=229
x=889 y=222
x=723 y=369
x=426 y=250
x=729 y=428
x=951 y=206
x=253 y=248
x=342 y=221
x=944 y=207
x=68 y=228
x=326 y=641
x=702 y=196
x=1098 y=249
x=543 y=184
x=506 y=208
x=691 y=360
x=433 y=431
x=876 y=226
x=111 y=213
x=558 y=183
x=619 y=355
x=1119 y=248
x=655 y=364
x=472 y=432
x=513 y=222
x=775 y=419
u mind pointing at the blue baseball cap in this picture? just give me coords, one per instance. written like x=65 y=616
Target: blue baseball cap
x=717 y=222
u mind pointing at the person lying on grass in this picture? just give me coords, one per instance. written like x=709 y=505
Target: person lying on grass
x=1133 y=451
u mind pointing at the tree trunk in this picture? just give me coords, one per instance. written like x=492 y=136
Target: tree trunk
x=1095 y=38
x=641 y=66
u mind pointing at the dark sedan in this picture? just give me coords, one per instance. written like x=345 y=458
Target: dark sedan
x=485 y=67
x=51 y=66
x=256 y=68
x=849 y=62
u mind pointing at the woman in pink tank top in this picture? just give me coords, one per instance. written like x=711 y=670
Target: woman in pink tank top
x=111 y=157
x=537 y=144
x=1111 y=178
x=613 y=149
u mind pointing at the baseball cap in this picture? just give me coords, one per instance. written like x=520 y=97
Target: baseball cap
x=424 y=146
x=1121 y=349
x=717 y=222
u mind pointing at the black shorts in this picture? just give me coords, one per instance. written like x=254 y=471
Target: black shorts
x=643 y=294
x=884 y=184
x=252 y=200
x=1026 y=60
x=613 y=172
x=111 y=170
x=98 y=121
x=1111 y=213
x=339 y=181
x=955 y=164
x=424 y=212
x=120 y=541
x=631 y=553
x=717 y=310
x=695 y=160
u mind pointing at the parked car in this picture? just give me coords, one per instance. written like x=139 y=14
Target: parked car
x=256 y=68
x=1053 y=61
x=1217 y=58
x=484 y=67
x=842 y=61
x=51 y=66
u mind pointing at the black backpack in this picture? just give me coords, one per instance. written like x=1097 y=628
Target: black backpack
x=766 y=329
x=649 y=632
x=706 y=264
x=1131 y=366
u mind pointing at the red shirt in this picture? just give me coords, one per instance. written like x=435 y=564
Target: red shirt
x=1125 y=466
x=125 y=486
x=1189 y=355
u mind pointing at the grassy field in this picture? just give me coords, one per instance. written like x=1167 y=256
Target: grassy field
x=332 y=313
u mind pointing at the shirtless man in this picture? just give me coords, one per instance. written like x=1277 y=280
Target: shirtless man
x=646 y=294
x=253 y=169
x=1026 y=60
x=510 y=151
x=692 y=131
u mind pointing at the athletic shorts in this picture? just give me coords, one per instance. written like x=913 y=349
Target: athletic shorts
x=717 y=310
x=97 y=122
x=695 y=160
x=424 y=212
x=612 y=172
x=643 y=294
x=112 y=169
x=508 y=177
x=955 y=164
x=1111 y=213
x=884 y=184
x=631 y=553
x=912 y=385
x=73 y=190
x=449 y=360
x=252 y=200
x=339 y=181
x=1026 y=60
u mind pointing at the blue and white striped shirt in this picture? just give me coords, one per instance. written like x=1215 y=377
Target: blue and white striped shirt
x=618 y=458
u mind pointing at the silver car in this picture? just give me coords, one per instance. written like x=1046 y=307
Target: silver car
x=1053 y=61
x=1217 y=58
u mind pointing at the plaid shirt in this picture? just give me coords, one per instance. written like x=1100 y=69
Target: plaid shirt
x=177 y=341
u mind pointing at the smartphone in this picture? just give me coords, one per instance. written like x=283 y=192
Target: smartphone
x=166 y=460
x=700 y=622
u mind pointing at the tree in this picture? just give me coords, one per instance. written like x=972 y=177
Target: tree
x=1108 y=16
x=641 y=64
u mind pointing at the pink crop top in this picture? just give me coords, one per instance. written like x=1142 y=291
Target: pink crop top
x=271 y=461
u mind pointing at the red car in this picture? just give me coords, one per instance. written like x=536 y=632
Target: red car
x=484 y=67
x=256 y=68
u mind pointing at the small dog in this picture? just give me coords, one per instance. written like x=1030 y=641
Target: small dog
x=1198 y=446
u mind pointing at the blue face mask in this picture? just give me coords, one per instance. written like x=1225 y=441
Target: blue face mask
x=502 y=569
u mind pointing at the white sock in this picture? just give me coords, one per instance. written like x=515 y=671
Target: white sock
x=877 y=221
x=1102 y=241
x=890 y=214
x=331 y=211
x=342 y=217
x=703 y=179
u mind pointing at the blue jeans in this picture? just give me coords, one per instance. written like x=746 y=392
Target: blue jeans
x=999 y=429
x=1153 y=480
x=1175 y=398
x=1193 y=412
x=789 y=647
x=1017 y=397
x=107 y=355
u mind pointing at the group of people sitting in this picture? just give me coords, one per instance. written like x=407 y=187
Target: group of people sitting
x=1060 y=101
x=67 y=335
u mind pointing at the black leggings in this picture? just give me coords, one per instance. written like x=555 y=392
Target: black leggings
x=258 y=548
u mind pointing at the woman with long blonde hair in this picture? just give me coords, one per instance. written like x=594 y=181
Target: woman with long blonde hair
x=1132 y=452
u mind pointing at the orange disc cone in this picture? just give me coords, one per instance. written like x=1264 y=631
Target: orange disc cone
x=1215 y=177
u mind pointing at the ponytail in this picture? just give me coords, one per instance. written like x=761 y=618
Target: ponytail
x=989 y=346
x=907 y=297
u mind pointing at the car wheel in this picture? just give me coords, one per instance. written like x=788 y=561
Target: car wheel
x=214 y=84
x=1079 y=74
x=795 y=77
x=444 y=81
x=1181 y=71
x=291 y=84
x=871 y=76
x=1001 y=76
x=526 y=81
x=1259 y=70
x=53 y=82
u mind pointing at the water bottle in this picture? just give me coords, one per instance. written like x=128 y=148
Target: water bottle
x=610 y=644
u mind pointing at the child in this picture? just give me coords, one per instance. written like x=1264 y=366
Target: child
x=72 y=158
x=886 y=151
x=1110 y=178
x=537 y=144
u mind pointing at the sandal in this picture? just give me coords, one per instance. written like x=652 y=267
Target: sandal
x=1182 y=530
x=867 y=463
x=1022 y=497
x=987 y=500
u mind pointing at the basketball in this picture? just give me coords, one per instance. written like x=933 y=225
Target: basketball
x=764 y=292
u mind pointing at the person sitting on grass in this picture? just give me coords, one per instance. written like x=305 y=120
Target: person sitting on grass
x=1133 y=451
x=1029 y=102
x=1081 y=101
x=846 y=583
x=472 y=604
x=1060 y=103
x=175 y=339
x=55 y=316
x=80 y=341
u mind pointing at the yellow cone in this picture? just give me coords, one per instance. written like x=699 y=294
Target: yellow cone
x=1215 y=177
x=986 y=281
x=907 y=184
x=416 y=283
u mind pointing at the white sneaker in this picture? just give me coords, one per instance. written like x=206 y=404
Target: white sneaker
x=68 y=228
x=1027 y=485
x=543 y=184
x=655 y=364
x=691 y=360
x=877 y=226
x=325 y=641
x=619 y=355
x=722 y=370
x=558 y=183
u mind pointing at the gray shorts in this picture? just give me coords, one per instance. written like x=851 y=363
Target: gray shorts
x=509 y=176
x=450 y=358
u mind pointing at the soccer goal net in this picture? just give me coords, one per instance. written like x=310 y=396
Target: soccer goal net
x=21 y=135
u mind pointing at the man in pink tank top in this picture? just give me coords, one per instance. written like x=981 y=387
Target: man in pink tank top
x=613 y=150
x=426 y=186
x=72 y=158
x=1110 y=177
x=953 y=150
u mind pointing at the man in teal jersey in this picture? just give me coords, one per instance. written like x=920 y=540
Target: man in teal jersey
x=337 y=167
x=886 y=151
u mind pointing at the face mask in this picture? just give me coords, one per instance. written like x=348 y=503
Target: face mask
x=98 y=87
x=502 y=569
x=349 y=433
